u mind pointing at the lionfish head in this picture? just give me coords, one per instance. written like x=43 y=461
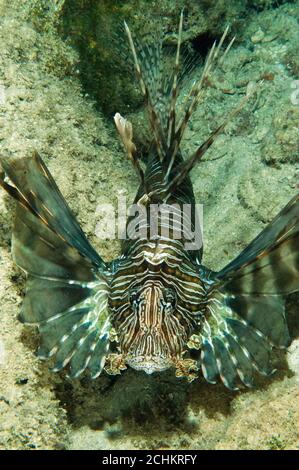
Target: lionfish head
x=150 y=330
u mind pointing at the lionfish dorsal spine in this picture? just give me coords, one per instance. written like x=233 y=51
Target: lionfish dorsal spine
x=162 y=101
x=171 y=123
x=153 y=115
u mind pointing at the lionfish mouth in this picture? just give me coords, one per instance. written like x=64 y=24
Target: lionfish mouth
x=149 y=364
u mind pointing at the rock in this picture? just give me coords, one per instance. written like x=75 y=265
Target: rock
x=248 y=176
x=258 y=36
x=281 y=144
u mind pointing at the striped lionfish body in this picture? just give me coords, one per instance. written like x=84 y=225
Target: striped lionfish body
x=156 y=307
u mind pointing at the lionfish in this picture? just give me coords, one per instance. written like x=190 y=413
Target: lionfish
x=156 y=307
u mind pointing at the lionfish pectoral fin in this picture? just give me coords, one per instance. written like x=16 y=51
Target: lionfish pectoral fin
x=246 y=314
x=237 y=337
x=66 y=290
x=36 y=190
x=270 y=263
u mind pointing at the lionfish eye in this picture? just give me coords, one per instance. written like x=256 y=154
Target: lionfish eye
x=170 y=297
x=133 y=296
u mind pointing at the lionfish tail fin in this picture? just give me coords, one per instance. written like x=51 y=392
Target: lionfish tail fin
x=245 y=315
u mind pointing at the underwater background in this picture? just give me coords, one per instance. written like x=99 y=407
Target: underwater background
x=63 y=75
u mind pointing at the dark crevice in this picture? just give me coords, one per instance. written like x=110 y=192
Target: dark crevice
x=202 y=43
x=267 y=4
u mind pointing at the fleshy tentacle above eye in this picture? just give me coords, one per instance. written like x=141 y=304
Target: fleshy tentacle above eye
x=67 y=289
x=245 y=310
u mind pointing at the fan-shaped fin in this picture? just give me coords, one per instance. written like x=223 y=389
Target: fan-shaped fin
x=235 y=343
x=245 y=315
x=36 y=190
x=270 y=263
x=67 y=288
x=208 y=362
x=241 y=359
x=253 y=341
x=265 y=314
x=226 y=367
x=47 y=297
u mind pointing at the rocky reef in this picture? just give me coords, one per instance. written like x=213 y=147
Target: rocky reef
x=63 y=74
